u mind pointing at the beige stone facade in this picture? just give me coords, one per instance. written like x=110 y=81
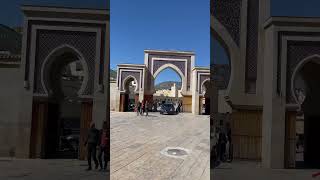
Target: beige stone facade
x=269 y=86
x=30 y=95
x=193 y=80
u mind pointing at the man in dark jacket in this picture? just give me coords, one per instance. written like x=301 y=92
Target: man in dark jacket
x=138 y=106
x=222 y=141
x=92 y=143
x=104 y=146
x=146 y=108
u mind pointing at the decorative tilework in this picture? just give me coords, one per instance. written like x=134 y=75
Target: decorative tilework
x=157 y=64
x=228 y=13
x=125 y=74
x=221 y=75
x=180 y=65
x=48 y=40
x=252 y=43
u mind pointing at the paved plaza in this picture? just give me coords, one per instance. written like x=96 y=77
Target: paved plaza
x=253 y=171
x=137 y=142
x=43 y=169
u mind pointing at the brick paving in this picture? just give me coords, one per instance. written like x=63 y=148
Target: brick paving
x=253 y=171
x=137 y=142
x=47 y=169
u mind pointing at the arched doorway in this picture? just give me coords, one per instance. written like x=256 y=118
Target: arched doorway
x=306 y=88
x=60 y=119
x=130 y=96
x=65 y=77
x=167 y=88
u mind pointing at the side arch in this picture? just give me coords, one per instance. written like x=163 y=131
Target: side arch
x=125 y=81
x=202 y=85
x=300 y=65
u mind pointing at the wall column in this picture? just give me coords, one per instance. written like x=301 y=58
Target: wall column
x=273 y=124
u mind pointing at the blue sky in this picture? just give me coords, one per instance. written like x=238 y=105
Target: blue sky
x=165 y=25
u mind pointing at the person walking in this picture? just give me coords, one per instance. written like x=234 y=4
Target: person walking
x=214 y=151
x=104 y=146
x=146 y=106
x=92 y=143
x=229 y=142
x=142 y=108
x=222 y=141
x=179 y=107
x=138 y=106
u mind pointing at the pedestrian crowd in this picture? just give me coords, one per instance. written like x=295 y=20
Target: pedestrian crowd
x=98 y=139
x=143 y=108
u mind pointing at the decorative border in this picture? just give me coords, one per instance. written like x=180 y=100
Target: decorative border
x=122 y=69
x=34 y=31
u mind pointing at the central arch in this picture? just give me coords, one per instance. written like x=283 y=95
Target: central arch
x=173 y=67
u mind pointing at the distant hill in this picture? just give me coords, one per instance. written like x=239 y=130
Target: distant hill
x=167 y=85
x=113 y=74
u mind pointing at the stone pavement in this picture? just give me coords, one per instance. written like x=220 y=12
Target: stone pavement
x=47 y=169
x=253 y=171
x=137 y=142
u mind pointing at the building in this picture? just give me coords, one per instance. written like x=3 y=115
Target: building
x=53 y=81
x=168 y=95
x=274 y=66
x=194 y=79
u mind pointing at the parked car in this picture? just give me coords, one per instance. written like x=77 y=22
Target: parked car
x=168 y=108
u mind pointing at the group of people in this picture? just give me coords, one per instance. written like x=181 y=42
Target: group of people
x=98 y=139
x=142 y=107
x=222 y=146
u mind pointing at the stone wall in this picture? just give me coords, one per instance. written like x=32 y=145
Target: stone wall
x=113 y=93
x=11 y=85
x=187 y=104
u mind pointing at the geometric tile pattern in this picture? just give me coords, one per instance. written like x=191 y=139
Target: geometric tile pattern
x=221 y=75
x=124 y=74
x=228 y=13
x=48 y=40
x=252 y=42
x=179 y=64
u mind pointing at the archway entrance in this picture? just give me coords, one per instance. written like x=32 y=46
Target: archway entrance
x=58 y=100
x=60 y=120
x=167 y=89
x=307 y=88
x=130 y=97
x=62 y=132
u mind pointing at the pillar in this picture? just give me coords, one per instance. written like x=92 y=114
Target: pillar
x=195 y=94
x=273 y=123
